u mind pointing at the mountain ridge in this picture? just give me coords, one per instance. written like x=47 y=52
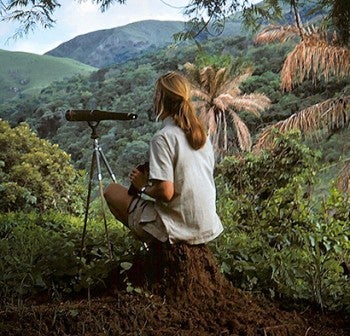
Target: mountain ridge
x=111 y=46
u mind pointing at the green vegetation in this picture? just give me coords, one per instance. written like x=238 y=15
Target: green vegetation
x=23 y=74
x=129 y=87
x=36 y=174
x=286 y=232
x=281 y=238
x=41 y=253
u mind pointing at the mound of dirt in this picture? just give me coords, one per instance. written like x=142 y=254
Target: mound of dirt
x=177 y=290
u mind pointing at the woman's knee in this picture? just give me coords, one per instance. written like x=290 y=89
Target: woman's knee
x=108 y=192
x=117 y=196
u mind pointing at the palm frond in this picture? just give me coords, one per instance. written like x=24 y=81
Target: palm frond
x=315 y=58
x=232 y=86
x=222 y=102
x=329 y=115
x=207 y=77
x=200 y=94
x=274 y=33
x=242 y=131
x=343 y=180
x=219 y=80
x=192 y=72
x=254 y=103
x=215 y=94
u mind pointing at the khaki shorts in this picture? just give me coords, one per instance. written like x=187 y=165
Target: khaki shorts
x=144 y=221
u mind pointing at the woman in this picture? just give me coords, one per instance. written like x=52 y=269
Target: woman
x=180 y=178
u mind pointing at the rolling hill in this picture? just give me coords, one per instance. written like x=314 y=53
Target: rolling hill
x=24 y=73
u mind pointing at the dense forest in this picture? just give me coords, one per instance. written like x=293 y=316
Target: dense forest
x=128 y=88
x=286 y=235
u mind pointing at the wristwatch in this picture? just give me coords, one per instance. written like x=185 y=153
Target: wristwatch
x=143 y=189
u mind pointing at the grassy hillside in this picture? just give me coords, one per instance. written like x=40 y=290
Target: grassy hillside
x=24 y=73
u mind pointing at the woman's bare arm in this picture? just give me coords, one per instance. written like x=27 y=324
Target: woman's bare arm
x=159 y=190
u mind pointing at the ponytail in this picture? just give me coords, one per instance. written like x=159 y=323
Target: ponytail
x=188 y=121
x=172 y=99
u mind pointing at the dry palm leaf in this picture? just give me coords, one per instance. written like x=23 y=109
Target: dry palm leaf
x=243 y=134
x=272 y=34
x=192 y=72
x=207 y=78
x=232 y=85
x=254 y=103
x=329 y=115
x=314 y=58
x=343 y=181
x=200 y=94
x=222 y=102
x=219 y=80
x=216 y=94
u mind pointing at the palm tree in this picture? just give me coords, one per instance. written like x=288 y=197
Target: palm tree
x=320 y=54
x=319 y=58
x=218 y=95
x=316 y=55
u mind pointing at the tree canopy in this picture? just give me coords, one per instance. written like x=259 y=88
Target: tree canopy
x=36 y=174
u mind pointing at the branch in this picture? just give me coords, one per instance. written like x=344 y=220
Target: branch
x=297 y=18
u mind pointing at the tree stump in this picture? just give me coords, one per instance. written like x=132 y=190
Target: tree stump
x=180 y=272
x=200 y=300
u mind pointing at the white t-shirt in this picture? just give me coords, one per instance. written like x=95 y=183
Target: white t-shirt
x=191 y=215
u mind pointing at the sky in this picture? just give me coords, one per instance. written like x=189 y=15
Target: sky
x=74 y=18
x=77 y=17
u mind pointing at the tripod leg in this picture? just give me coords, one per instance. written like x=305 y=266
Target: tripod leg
x=107 y=164
x=102 y=198
x=91 y=177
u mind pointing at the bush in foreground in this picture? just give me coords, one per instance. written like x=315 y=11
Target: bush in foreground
x=280 y=238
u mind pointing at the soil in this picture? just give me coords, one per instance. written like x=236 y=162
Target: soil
x=176 y=290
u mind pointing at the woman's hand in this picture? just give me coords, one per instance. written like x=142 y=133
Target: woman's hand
x=138 y=179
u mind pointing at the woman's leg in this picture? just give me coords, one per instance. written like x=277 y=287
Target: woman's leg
x=118 y=201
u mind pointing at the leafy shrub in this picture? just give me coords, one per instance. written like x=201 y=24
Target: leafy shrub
x=43 y=253
x=278 y=238
x=36 y=174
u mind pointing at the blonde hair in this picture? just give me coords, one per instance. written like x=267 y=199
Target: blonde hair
x=172 y=99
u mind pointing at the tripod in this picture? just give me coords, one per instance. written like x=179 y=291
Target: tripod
x=95 y=161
